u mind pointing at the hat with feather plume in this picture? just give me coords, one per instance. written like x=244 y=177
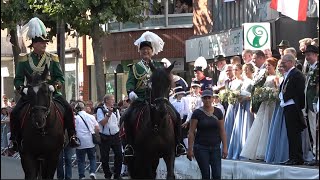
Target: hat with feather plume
x=200 y=64
x=36 y=31
x=151 y=40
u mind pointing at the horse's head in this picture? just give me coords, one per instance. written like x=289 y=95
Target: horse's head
x=161 y=81
x=40 y=94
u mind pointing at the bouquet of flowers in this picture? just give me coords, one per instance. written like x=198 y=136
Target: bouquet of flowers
x=262 y=94
x=233 y=97
x=223 y=95
x=314 y=77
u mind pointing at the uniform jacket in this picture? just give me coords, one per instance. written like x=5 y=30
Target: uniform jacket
x=27 y=61
x=139 y=74
x=293 y=88
x=205 y=83
x=312 y=79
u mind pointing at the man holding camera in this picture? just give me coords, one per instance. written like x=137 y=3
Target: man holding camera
x=108 y=117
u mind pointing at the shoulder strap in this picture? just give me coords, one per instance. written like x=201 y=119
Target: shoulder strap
x=84 y=122
x=214 y=116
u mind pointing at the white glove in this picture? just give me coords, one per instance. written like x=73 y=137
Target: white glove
x=132 y=96
x=25 y=90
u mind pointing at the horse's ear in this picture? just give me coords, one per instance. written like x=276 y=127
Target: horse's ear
x=169 y=69
x=45 y=72
x=152 y=66
x=28 y=76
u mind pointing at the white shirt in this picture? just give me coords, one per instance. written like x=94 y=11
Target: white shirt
x=112 y=126
x=220 y=106
x=83 y=133
x=181 y=106
x=194 y=102
x=290 y=101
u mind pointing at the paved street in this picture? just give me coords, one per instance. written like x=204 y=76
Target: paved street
x=11 y=169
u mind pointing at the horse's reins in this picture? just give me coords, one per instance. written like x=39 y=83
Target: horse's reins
x=44 y=108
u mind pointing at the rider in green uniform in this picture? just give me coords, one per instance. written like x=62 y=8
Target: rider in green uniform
x=36 y=62
x=138 y=90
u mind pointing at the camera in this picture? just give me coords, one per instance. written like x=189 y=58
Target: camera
x=115 y=107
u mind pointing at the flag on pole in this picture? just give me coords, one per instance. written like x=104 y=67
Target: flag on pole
x=295 y=9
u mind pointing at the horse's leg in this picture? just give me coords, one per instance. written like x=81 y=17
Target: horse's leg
x=49 y=166
x=29 y=166
x=169 y=160
x=154 y=166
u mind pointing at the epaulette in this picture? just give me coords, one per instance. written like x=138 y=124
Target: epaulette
x=54 y=57
x=208 y=78
x=23 y=57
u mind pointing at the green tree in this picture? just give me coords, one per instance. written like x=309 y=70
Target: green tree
x=86 y=16
x=17 y=12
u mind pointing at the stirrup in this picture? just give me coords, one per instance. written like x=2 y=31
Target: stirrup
x=182 y=148
x=128 y=148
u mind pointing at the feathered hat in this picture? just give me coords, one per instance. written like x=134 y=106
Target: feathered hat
x=166 y=62
x=152 y=40
x=200 y=64
x=36 y=31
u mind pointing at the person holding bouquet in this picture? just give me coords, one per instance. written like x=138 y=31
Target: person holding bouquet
x=244 y=117
x=234 y=92
x=255 y=146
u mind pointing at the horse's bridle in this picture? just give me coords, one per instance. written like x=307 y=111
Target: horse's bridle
x=43 y=108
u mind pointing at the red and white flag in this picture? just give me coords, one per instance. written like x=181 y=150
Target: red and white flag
x=295 y=9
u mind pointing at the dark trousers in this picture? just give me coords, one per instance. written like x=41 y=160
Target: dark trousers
x=208 y=157
x=113 y=142
x=294 y=128
x=64 y=168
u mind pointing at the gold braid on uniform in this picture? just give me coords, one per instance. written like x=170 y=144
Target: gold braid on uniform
x=39 y=68
x=139 y=77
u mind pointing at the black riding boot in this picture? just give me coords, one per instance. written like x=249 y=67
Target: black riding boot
x=128 y=149
x=180 y=149
x=15 y=127
x=69 y=122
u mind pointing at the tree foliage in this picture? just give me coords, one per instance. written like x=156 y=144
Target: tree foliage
x=86 y=16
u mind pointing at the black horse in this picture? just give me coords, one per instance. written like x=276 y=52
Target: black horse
x=154 y=129
x=41 y=129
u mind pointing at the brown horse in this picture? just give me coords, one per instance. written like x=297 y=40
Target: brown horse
x=41 y=129
x=154 y=132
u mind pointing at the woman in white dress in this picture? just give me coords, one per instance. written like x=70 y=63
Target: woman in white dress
x=255 y=146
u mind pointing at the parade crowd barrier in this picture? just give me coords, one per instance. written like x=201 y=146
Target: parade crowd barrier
x=231 y=169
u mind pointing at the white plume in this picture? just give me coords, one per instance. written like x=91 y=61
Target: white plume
x=201 y=62
x=35 y=28
x=156 y=42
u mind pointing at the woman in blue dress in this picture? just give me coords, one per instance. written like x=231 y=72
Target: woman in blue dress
x=244 y=118
x=277 y=148
x=232 y=109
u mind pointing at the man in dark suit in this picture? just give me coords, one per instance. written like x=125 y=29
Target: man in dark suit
x=292 y=99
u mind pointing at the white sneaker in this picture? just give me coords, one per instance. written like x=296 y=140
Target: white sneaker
x=92 y=175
